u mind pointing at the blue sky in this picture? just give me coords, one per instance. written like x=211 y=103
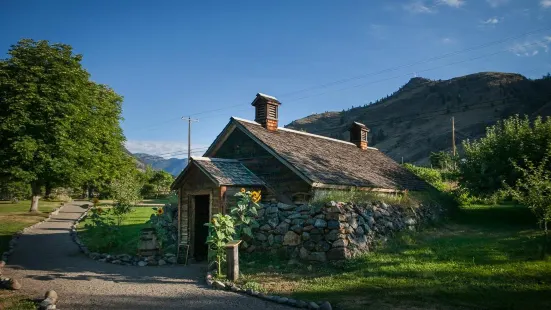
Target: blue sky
x=174 y=58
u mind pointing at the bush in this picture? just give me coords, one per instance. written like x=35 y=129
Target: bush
x=429 y=175
x=489 y=163
x=163 y=220
x=105 y=233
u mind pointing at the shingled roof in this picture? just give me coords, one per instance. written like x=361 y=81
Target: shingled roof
x=224 y=172
x=326 y=161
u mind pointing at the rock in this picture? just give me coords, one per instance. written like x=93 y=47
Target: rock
x=271 y=239
x=273 y=221
x=360 y=231
x=153 y=262
x=308 y=228
x=323 y=246
x=293 y=262
x=292 y=302
x=278 y=239
x=261 y=237
x=52 y=295
x=102 y=260
x=282 y=300
x=261 y=213
x=319 y=223
x=116 y=261
x=313 y=305
x=309 y=245
x=299 y=222
x=47 y=303
x=370 y=221
x=410 y=221
x=219 y=285
x=305 y=236
x=142 y=263
x=2 y=264
x=291 y=238
x=317 y=257
x=265 y=227
x=340 y=243
x=303 y=253
x=297 y=229
x=172 y=260
x=389 y=225
x=285 y=207
x=332 y=224
x=294 y=216
x=13 y=284
x=272 y=210
x=338 y=254
x=303 y=208
x=301 y=304
x=162 y=262
x=326 y=306
x=353 y=223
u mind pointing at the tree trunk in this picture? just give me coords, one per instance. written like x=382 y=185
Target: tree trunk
x=48 y=190
x=90 y=192
x=35 y=188
x=545 y=239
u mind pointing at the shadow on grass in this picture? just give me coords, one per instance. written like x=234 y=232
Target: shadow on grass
x=483 y=258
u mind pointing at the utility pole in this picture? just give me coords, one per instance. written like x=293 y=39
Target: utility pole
x=453 y=136
x=189 y=120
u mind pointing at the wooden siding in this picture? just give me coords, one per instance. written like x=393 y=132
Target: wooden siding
x=279 y=178
x=196 y=183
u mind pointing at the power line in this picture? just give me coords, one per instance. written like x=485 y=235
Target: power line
x=326 y=85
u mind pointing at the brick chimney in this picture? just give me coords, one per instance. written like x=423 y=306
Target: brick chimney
x=358 y=135
x=266 y=112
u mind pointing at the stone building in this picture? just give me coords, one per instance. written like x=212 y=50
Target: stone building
x=289 y=166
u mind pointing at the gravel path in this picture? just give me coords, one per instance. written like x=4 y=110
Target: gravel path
x=46 y=258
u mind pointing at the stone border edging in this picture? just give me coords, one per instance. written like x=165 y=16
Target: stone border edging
x=121 y=259
x=13 y=241
x=215 y=284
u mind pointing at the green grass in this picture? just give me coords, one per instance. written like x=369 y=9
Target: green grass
x=15 y=301
x=130 y=232
x=16 y=216
x=486 y=257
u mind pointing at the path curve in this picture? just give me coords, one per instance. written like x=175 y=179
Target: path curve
x=46 y=258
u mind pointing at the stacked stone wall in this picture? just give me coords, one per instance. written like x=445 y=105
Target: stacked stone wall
x=336 y=231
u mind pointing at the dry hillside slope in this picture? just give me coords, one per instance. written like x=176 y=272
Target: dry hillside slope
x=416 y=119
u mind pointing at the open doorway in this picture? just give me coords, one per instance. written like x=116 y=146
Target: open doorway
x=202 y=204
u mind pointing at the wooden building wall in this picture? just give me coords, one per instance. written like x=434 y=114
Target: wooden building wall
x=278 y=177
x=196 y=183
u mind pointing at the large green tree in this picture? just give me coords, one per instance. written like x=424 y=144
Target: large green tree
x=493 y=162
x=57 y=128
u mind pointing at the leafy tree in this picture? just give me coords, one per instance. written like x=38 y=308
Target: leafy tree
x=533 y=189
x=161 y=182
x=441 y=160
x=490 y=162
x=57 y=128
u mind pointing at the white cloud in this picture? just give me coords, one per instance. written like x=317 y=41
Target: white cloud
x=531 y=48
x=452 y=3
x=418 y=7
x=496 y=3
x=166 y=149
x=545 y=4
x=491 y=21
x=448 y=41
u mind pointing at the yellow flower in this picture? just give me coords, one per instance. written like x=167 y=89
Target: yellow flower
x=160 y=211
x=255 y=196
x=214 y=221
x=243 y=190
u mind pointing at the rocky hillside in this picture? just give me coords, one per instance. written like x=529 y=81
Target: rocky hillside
x=416 y=119
x=172 y=165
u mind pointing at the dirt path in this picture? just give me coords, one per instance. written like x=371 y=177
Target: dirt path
x=46 y=258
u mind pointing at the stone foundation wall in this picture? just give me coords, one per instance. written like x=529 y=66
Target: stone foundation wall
x=336 y=231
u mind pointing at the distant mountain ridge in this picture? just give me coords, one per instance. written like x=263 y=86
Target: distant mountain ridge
x=416 y=119
x=172 y=165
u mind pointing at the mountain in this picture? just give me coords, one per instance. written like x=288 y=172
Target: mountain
x=172 y=165
x=416 y=119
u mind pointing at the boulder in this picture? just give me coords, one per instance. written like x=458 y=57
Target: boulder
x=265 y=227
x=52 y=295
x=162 y=262
x=338 y=254
x=13 y=284
x=297 y=229
x=278 y=239
x=261 y=237
x=305 y=236
x=333 y=224
x=319 y=223
x=313 y=305
x=294 y=216
x=323 y=246
x=340 y=243
x=291 y=238
x=142 y=263
x=172 y=260
x=303 y=253
x=310 y=245
x=285 y=207
x=317 y=257
x=282 y=228
x=325 y=306
x=219 y=285
x=271 y=239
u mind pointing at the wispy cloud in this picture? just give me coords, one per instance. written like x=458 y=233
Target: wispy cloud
x=166 y=149
x=418 y=7
x=452 y=3
x=491 y=21
x=427 y=7
x=531 y=48
x=545 y=4
x=496 y=3
x=448 y=40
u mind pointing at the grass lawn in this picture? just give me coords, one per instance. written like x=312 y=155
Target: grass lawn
x=486 y=257
x=15 y=301
x=15 y=216
x=130 y=232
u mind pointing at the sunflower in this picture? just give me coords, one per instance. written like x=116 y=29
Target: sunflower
x=243 y=190
x=160 y=211
x=256 y=196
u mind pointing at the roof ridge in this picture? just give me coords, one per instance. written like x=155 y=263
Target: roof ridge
x=302 y=133
x=214 y=159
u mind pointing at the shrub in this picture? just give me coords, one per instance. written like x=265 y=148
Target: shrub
x=429 y=175
x=163 y=222
x=105 y=233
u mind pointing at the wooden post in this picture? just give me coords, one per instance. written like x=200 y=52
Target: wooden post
x=232 y=258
